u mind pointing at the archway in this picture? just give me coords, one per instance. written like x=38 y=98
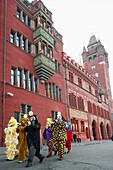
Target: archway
x=94 y=129
x=108 y=130
x=101 y=129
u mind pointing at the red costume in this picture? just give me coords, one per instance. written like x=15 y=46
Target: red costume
x=69 y=137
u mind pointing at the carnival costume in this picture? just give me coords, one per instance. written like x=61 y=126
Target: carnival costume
x=59 y=138
x=69 y=136
x=49 y=134
x=11 y=140
x=23 y=146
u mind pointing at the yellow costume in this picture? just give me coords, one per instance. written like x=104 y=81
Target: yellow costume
x=22 y=142
x=11 y=140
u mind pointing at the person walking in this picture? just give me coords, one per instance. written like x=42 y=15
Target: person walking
x=50 y=143
x=33 y=139
x=74 y=137
x=69 y=136
x=44 y=137
x=59 y=137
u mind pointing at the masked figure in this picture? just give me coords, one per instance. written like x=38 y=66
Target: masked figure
x=59 y=137
x=11 y=140
x=22 y=142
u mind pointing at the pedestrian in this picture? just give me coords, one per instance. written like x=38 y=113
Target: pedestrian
x=79 y=137
x=33 y=139
x=11 y=140
x=74 y=137
x=69 y=136
x=44 y=137
x=59 y=137
x=22 y=140
x=50 y=143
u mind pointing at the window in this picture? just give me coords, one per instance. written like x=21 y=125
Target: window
x=23 y=19
x=60 y=94
x=54 y=115
x=29 y=48
x=29 y=21
x=12 y=37
x=85 y=106
x=93 y=67
x=36 y=7
x=28 y=108
x=75 y=101
x=82 y=126
x=13 y=76
x=79 y=82
x=110 y=103
x=90 y=60
x=95 y=58
x=71 y=77
x=95 y=74
x=30 y=82
x=85 y=61
x=17 y=116
x=18 y=13
x=25 y=79
x=19 y=78
x=23 y=44
x=76 y=126
x=76 y=80
x=35 y=85
x=23 y=108
x=36 y=49
x=59 y=67
x=55 y=45
x=93 y=91
x=18 y=40
x=109 y=92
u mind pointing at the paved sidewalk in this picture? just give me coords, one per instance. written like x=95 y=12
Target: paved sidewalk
x=45 y=148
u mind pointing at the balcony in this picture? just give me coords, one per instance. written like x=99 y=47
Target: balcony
x=44 y=35
x=44 y=67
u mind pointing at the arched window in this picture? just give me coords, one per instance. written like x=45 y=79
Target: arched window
x=95 y=57
x=90 y=60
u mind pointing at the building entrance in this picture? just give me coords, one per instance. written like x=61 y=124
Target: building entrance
x=94 y=129
x=101 y=129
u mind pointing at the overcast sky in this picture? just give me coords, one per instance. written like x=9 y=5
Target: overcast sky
x=77 y=20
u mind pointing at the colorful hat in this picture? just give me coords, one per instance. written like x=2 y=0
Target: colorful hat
x=30 y=113
x=24 y=119
x=49 y=122
x=13 y=122
x=59 y=116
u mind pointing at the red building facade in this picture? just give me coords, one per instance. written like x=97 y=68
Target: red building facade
x=88 y=115
x=96 y=62
x=36 y=75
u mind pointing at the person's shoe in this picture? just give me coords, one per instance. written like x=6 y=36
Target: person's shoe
x=68 y=151
x=48 y=156
x=60 y=159
x=9 y=159
x=41 y=159
x=29 y=164
x=55 y=153
x=20 y=162
x=16 y=156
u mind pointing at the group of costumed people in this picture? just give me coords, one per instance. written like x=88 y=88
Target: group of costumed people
x=26 y=134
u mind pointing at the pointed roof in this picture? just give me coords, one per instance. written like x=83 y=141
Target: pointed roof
x=99 y=42
x=92 y=40
x=84 y=49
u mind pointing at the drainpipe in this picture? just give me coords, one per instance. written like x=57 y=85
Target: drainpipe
x=4 y=74
x=67 y=93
